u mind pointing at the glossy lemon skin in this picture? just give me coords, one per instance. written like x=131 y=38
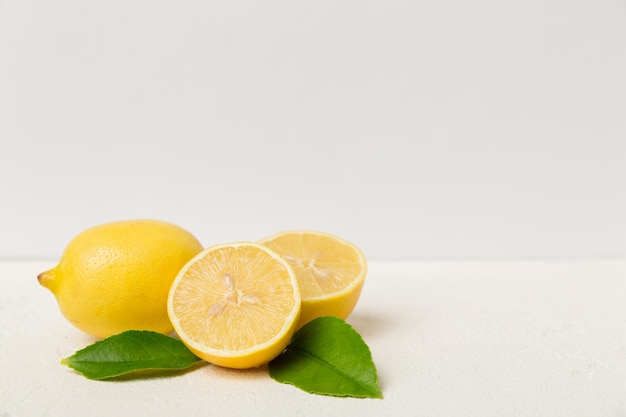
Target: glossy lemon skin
x=116 y=276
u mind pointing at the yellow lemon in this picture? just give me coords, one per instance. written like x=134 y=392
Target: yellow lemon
x=330 y=271
x=235 y=305
x=116 y=276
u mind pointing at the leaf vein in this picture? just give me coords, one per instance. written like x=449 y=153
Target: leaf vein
x=311 y=356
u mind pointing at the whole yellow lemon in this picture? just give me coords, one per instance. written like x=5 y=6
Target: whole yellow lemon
x=116 y=276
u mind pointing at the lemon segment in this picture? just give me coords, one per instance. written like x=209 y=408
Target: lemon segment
x=235 y=305
x=330 y=271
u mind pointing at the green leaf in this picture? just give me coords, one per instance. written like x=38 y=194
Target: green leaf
x=327 y=356
x=131 y=351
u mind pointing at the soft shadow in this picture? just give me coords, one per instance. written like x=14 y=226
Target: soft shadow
x=226 y=373
x=208 y=368
x=370 y=325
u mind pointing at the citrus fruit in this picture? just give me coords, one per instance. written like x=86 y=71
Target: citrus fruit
x=235 y=305
x=330 y=271
x=116 y=276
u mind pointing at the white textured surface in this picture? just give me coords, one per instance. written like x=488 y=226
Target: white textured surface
x=449 y=339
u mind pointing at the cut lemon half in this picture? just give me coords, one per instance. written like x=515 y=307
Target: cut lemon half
x=235 y=305
x=330 y=271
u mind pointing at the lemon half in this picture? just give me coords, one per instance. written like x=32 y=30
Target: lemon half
x=330 y=270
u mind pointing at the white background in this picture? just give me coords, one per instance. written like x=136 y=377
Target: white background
x=454 y=129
